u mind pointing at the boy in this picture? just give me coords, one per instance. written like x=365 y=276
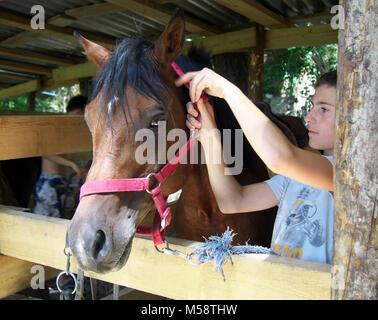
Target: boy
x=303 y=185
x=52 y=186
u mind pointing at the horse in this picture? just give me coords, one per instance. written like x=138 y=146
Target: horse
x=135 y=90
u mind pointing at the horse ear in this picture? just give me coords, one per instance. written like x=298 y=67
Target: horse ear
x=169 y=45
x=96 y=53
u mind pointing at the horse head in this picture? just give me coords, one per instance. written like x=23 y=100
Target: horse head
x=134 y=90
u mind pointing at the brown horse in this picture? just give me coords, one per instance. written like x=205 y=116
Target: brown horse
x=135 y=90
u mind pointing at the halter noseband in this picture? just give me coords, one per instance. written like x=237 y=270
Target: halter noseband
x=162 y=215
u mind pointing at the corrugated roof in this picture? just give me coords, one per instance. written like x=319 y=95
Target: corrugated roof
x=120 y=23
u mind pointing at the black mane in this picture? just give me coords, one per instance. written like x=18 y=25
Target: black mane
x=130 y=64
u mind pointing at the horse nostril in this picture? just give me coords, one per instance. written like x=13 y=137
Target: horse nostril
x=98 y=243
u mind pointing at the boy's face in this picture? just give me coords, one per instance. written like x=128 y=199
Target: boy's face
x=321 y=119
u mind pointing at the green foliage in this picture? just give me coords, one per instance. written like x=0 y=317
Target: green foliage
x=49 y=103
x=284 y=70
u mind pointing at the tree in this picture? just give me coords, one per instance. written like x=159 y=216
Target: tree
x=285 y=69
x=56 y=101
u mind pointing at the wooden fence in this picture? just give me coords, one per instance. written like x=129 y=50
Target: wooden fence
x=27 y=239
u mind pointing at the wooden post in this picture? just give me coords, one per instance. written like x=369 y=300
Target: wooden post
x=256 y=67
x=85 y=87
x=31 y=101
x=355 y=272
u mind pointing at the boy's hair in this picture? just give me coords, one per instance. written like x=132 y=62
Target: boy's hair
x=329 y=79
x=77 y=102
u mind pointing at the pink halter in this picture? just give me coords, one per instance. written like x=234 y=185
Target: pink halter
x=162 y=215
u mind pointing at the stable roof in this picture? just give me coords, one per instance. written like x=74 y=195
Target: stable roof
x=35 y=60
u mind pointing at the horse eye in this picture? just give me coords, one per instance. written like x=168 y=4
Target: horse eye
x=154 y=123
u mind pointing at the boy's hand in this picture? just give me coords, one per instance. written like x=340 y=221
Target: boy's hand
x=205 y=80
x=80 y=171
x=204 y=121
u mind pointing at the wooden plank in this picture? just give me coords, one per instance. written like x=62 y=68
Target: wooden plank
x=274 y=39
x=34 y=56
x=32 y=136
x=93 y=10
x=300 y=36
x=15 y=275
x=163 y=14
x=15 y=76
x=20 y=38
x=19 y=89
x=78 y=71
x=41 y=240
x=23 y=67
x=226 y=42
x=256 y=12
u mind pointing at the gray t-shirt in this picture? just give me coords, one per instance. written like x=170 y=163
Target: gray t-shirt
x=304 y=224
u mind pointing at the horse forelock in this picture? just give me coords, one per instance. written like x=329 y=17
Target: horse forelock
x=130 y=65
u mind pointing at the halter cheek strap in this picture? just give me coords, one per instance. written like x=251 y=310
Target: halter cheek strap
x=162 y=215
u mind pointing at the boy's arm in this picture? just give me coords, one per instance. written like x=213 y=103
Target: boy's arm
x=275 y=149
x=61 y=160
x=267 y=140
x=230 y=195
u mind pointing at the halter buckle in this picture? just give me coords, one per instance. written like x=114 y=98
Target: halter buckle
x=148 y=177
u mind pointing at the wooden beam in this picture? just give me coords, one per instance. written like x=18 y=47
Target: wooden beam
x=15 y=275
x=34 y=56
x=19 y=89
x=311 y=18
x=8 y=75
x=33 y=85
x=41 y=240
x=226 y=42
x=19 y=39
x=256 y=12
x=33 y=136
x=60 y=77
x=163 y=14
x=356 y=186
x=78 y=71
x=23 y=22
x=300 y=36
x=93 y=10
x=274 y=39
x=23 y=67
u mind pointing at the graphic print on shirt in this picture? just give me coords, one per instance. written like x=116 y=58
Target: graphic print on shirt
x=300 y=225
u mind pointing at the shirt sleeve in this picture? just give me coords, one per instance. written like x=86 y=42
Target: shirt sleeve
x=278 y=184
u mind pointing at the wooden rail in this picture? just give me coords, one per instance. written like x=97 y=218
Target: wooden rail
x=31 y=136
x=41 y=239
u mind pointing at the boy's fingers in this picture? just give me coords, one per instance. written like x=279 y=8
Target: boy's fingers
x=191 y=110
x=185 y=78
x=189 y=125
x=202 y=108
x=197 y=85
x=194 y=122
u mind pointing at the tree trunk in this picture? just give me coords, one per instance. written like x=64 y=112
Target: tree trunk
x=355 y=271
